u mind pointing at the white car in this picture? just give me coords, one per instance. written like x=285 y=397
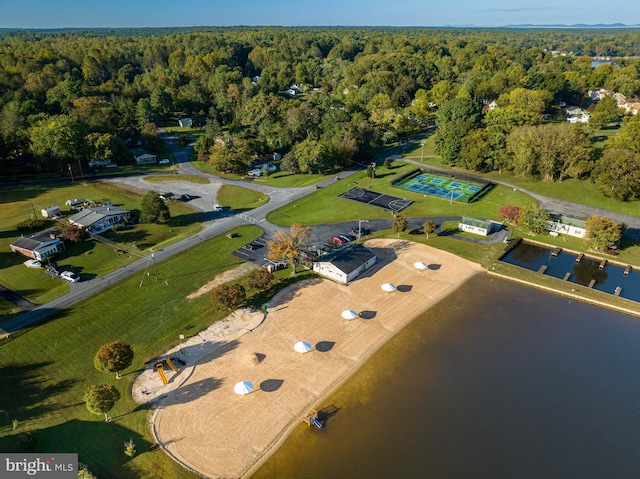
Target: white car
x=217 y=208
x=33 y=263
x=70 y=276
x=165 y=161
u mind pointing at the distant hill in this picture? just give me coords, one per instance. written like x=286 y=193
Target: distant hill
x=576 y=25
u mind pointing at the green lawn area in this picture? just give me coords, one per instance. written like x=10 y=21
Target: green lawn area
x=88 y=258
x=237 y=198
x=279 y=179
x=185 y=178
x=45 y=370
x=324 y=206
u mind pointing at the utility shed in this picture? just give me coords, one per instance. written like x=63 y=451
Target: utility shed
x=345 y=264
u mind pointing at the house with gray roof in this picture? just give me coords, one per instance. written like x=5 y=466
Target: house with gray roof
x=39 y=246
x=345 y=264
x=99 y=219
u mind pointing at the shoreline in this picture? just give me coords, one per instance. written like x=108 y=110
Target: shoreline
x=208 y=429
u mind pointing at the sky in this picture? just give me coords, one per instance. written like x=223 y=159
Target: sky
x=182 y=13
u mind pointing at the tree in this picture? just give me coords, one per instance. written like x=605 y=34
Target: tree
x=534 y=219
x=60 y=137
x=229 y=295
x=605 y=111
x=617 y=174
x=260 y=279
x=130 y=448
x=100 y=399
x=602 y=232
x=113 y=357
x=153 y=209
x=73 y=233
x=399 y=224
x=429 y=227
x=289 y=246
x=510 y=214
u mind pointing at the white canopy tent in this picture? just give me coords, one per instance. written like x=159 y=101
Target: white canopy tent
x=388 y=287
x=420 y=265
x=302 y=347
x=349 y=314
x=243 y=387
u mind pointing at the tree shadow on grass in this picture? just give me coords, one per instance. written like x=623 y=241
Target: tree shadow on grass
x=28 y=391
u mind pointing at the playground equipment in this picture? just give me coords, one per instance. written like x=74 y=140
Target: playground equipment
x=312 y=418
x=171 y=365
x=160 y=369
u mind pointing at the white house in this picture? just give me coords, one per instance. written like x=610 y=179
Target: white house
x=183 y=122
x=51 y=212
x=598 y=94
x=144 y=157
x=476 y=226
x=345 y=264
x=567 y=225
x=100 y=219
x=575 y=114
x=39 y=246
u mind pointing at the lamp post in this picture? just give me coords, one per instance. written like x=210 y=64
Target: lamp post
x=422 y=152
x=73 y=183
x=452 y=190
x=360 y=227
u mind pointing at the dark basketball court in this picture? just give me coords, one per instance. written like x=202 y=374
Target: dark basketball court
x=388 y=202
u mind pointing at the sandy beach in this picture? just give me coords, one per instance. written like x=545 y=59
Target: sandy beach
x=204 y=425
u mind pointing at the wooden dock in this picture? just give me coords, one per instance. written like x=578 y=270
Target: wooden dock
x=555 y=252
x=627 y=270
x=617 y=291
x=591 y=283
x=602 y=264
x=542 y=269
x=579 y=258
x=567 y=276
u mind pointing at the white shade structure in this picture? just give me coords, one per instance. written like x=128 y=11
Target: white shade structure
x=420 y=265
x=243 y=387
x=388 y=287
x=302 y=347
x=349 y=314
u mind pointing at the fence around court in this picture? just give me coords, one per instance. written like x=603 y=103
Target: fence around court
x=485 y=185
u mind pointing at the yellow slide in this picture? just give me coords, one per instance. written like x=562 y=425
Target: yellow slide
x=171 y=365
x=161 y=373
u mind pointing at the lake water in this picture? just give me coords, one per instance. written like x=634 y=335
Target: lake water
x=496 y=381
x=597 y=63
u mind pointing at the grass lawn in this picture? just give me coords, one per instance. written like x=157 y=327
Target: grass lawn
x=237 y=198
x=45 y=370
x=324 y=206
x=279 y=179
x=88 y=258
x=185 y=178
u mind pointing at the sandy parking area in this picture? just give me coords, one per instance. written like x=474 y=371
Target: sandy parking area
x=210 y=429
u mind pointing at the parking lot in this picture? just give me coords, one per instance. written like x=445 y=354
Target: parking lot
x=319 y=240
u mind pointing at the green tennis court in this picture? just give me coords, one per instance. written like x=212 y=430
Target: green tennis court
x=452 y=188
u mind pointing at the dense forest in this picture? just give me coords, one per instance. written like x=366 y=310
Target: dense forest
x=323 y=97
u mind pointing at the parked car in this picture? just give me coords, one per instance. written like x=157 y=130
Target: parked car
x=338 y=239
x=217 y=208
x=187 y=197
x=348 y=237
x=164 y=161
x=33 y=263
x=70 y=276
x=249 y=246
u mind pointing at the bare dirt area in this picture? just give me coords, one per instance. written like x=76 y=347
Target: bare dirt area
x=225 y=277
x=210 y=429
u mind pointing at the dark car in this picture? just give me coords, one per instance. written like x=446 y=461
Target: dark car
x=348 y=237
x=186 y=197
x=249 y=246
